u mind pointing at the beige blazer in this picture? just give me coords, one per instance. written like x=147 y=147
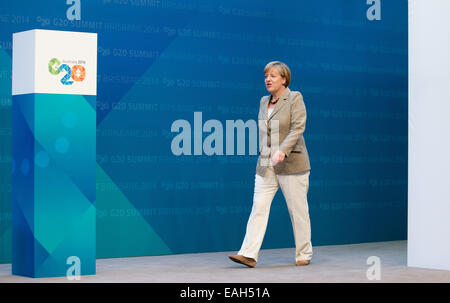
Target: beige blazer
x=283 y=130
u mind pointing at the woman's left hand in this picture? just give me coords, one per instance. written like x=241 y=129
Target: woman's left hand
x=278 y=157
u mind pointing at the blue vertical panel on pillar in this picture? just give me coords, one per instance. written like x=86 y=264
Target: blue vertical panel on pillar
x=54 y=184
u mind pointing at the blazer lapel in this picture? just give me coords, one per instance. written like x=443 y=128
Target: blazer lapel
x=280 y=103
x=264 y=109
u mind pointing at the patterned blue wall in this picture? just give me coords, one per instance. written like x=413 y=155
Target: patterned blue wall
x=160 y=61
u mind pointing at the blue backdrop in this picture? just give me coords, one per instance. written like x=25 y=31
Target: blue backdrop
x=160 y=61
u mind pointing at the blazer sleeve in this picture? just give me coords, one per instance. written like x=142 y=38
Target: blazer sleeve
x=297 y=125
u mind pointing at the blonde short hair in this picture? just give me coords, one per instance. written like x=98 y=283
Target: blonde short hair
x=282 y=68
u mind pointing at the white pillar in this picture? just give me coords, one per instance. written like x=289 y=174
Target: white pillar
x=53 y=191
x=429 y=134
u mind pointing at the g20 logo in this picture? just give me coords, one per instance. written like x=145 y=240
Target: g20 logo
x=75 y=73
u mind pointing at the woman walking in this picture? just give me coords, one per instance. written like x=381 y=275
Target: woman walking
x=283 y=162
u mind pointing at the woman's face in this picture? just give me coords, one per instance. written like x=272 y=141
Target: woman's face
x=273 y=80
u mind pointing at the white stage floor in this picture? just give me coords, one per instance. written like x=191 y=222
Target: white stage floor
x=337 y=263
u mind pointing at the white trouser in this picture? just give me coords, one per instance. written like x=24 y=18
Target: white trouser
x=295 y=190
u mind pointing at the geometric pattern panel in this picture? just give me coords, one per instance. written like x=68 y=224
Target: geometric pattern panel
x=161 y=63
x=53 y=185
